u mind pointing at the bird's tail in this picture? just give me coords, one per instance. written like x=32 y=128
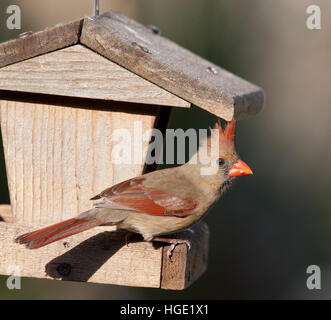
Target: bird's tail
x=41 y=237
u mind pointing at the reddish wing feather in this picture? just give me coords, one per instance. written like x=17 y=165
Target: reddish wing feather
x=133 y=194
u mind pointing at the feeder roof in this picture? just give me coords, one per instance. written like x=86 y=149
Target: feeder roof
x=144 y=52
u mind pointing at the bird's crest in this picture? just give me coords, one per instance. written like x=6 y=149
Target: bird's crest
x=226 y=135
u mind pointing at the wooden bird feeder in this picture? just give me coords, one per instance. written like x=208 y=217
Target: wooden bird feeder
x=62 y=93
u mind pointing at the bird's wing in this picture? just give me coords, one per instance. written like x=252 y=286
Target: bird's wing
x=134 y=196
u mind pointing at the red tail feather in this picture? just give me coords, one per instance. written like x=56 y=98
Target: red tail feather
x=41 y=237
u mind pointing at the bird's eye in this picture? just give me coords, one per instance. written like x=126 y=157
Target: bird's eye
x=220 y=162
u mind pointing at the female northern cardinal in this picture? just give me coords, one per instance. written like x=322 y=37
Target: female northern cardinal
x=157 y=203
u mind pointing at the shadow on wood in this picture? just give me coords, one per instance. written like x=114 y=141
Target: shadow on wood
x=5 y=213
x=80 y=103
x=82 y=261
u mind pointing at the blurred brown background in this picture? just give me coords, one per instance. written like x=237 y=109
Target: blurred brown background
x=270 y=227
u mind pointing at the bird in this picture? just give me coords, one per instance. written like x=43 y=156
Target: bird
x=159 y=203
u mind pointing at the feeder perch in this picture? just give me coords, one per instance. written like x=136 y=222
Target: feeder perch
x=62 y=93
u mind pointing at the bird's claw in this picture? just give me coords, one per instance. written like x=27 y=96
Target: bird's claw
x=173 y=243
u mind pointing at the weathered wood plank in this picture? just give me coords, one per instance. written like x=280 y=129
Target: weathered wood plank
x=77 y=71
x=100 y=255
x=58 y=157
x=38 y=43
x=186 y=266
x=170 y=66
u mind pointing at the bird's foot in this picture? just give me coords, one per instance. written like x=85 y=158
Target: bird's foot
x=173 y=243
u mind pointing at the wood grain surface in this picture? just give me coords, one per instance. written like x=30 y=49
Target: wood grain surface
x=58 y=157
x=77 y=71
x=101 y=255
x=35 y=44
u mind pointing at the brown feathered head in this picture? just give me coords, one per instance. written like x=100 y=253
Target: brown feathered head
x=227 y=157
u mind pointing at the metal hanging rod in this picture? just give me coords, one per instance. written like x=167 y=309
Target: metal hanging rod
x=96 y=7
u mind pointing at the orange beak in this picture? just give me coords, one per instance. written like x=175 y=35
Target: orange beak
x=240 y=168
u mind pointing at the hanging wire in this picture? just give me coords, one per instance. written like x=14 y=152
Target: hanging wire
x=96 y=7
